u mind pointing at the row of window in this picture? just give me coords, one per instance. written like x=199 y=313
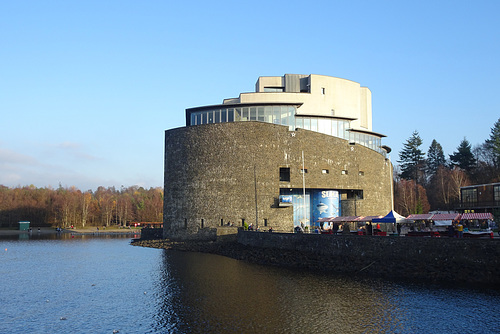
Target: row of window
x=286 y=115
x=283 y=115
x=223 y=223
x=285 y=173
x=328 y=126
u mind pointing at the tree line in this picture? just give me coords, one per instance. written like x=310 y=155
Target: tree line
x=64 y=207
x=425 y=183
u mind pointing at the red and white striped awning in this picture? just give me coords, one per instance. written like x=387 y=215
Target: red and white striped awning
x=346 y=219
x=477 y=215
x=421 y=216
x=445 y=216
x=368 y=218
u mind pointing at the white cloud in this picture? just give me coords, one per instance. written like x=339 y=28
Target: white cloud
x=11 y=158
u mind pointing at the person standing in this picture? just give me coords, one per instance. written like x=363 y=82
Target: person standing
x=451 y=231
x=460 y=230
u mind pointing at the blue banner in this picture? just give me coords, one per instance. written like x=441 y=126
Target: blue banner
x=325 y=203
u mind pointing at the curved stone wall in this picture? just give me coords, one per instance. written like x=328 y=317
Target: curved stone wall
x=217 y=174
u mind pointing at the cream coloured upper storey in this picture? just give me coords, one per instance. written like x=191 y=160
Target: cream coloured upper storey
x=317 y=95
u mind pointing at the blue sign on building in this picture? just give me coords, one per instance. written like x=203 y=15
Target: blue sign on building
x=325 y=203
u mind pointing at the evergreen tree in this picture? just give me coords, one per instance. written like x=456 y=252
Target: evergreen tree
x=435 y=157
x=463 y=157
x=493 y=143
x=411 y=158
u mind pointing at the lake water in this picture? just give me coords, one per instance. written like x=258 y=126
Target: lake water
x=103 y=284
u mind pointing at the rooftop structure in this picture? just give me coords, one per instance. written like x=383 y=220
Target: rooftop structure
x=329 y=105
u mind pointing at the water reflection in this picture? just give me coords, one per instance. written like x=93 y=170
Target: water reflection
x=208 y=293
x=101 y=283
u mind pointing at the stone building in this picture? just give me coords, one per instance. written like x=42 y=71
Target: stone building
x=300 y=148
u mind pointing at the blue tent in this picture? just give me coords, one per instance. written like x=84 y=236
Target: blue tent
x=392 y=217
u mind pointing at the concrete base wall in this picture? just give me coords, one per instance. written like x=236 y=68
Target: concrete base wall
x=421 y=259
x=204 y=234
x=151 y=233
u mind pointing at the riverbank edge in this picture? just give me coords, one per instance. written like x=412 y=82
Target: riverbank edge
x=420 y=270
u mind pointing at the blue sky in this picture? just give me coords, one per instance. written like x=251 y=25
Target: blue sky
x=87 y=88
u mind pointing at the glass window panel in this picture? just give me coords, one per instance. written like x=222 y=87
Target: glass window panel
x=223 y=117
x=291 y=115
x=268 y=112
x=192 y=120
x=217 y=116
x=253 y=113
x=299 y=123
x=237 y=115
x=276 y=115
x=210 y=116
x=341 y=133
x=307 y=123
x=244 y=114
x=260 y=114
x=284 y=115
x=325 y=126
x=314 y=124
x=198 y=119
x=205 y=118
x=335 y=128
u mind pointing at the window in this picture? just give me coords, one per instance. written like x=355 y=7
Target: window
x=303 y=170
x=260 y=114
x=265 y=222
x=222 y=222
x=325 y=171
x=202 y=223
x=253 y=114
x=322 y=91
x=496 y=193
x=284 y=174
x=361 y=173
x=344 y=172
x=273 y=89
x=469 y=196
x=354 y=194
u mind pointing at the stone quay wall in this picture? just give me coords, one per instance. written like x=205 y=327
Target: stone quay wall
x=151 y=233
x=451 y=260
